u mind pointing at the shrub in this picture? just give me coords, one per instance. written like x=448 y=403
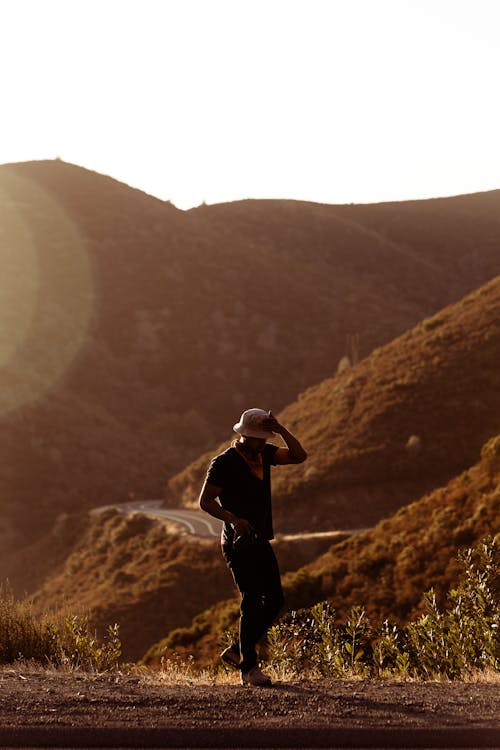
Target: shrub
x=466 y=637
x=450 y=643
x=78 y=648
x=310 y=640
x=68 y=642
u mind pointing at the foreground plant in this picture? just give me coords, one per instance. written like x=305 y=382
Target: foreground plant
x=68 y=642
x=453 y=643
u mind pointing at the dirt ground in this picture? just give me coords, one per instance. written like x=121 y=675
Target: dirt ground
x=34 y=698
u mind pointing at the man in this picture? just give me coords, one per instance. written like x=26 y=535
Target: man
x=237 y=490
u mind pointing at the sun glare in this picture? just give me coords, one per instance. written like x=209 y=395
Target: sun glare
x=46 y=292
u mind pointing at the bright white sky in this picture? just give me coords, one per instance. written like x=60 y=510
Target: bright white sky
x=334 y=101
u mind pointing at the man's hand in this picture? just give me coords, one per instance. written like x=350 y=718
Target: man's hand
x=241 y=527
x=294 y=453
x=272 y=424
x=209 y=504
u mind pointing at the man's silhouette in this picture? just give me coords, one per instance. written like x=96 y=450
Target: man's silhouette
x=237 y=490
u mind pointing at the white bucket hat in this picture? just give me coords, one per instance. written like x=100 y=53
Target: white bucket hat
x=250 y=424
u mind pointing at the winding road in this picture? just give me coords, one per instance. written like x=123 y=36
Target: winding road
x=195 y=521
x=201 y=524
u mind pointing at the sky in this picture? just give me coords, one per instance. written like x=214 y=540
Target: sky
x=216 y=100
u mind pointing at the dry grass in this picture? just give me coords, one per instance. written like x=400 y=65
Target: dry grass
x=186 y=672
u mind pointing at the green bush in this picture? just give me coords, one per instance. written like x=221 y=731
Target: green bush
x=465 y=637
x=67 y=642
x=451 y=643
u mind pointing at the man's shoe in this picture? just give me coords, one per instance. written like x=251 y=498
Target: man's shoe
x=231 y=656
x=255 y=677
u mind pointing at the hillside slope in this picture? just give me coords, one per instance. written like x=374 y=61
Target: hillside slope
x=148 y=576
x=385 y=570
x=437 y=382
x=134 y=332
x=136 y=572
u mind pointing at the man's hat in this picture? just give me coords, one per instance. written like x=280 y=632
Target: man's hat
x=250 y=424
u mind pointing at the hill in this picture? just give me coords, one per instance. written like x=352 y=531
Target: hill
x=385 y=570
x=134 y=571
x=135 y=332
x=403 y=421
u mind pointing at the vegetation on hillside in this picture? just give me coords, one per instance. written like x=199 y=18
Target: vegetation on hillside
x=138 y=572
x=461 y=641
x=389 y=567
x=145 y=573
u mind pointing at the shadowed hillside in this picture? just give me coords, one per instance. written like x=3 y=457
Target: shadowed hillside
x=137 y=572
x=385 y=570
x=134 y=332
x=401 y=422
x=436 y=230
x=142 y=573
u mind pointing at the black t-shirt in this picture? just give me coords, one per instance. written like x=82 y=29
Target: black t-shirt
x=242 y=492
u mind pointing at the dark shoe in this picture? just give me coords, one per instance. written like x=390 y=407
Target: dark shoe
x=231 y=656
x=255 y=677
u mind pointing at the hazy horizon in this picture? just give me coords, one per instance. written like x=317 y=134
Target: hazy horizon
x=192 y=102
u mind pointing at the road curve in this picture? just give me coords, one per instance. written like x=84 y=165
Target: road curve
x=195 y=521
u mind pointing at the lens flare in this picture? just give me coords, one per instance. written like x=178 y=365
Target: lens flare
x=46 y=291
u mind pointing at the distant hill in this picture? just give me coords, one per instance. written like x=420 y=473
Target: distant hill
x=385 y=570
x=404 y=420
x=135 y=333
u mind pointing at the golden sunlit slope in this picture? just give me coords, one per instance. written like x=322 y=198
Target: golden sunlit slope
x=390 y=567
x=134 y=333
x=385 y=570
x=438 y=384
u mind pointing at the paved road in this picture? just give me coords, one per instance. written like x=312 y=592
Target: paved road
x=198 y=523
x=224 y=737
x=195 y=521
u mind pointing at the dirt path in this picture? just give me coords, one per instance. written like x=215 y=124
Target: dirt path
x=31 y=698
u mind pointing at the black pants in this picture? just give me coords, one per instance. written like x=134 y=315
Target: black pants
x=257 y=576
